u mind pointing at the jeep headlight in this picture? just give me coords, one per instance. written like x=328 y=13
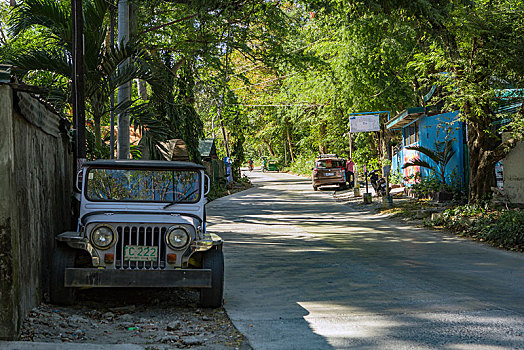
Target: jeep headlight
x=103 y=236
x=177 y=237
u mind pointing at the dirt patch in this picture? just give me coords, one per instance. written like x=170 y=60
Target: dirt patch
x=153 y=318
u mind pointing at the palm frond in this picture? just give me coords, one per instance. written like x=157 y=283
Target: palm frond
x=141 y=115
x=111 y=57
x=57 y=60
x=433 y=155
x=418 y=162
x=51 y=14
x=94 y=14
x=449 y=152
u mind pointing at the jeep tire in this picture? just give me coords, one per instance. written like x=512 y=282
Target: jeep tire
x=63 y=257
x=213 y=297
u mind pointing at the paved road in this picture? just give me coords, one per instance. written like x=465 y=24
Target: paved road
x=306 y=272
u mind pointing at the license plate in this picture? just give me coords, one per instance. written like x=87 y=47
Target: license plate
x=140 y=253
x=329 y=174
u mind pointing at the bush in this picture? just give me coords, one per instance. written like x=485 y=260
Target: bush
x=302 y=165
x=427 y=185
x=504 y=228
x=499 y=227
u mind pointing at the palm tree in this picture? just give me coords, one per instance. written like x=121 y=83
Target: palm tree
x=441 y=156
x=101 y=61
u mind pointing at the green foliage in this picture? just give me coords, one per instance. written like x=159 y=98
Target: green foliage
x=426 y=186
x=396 y=177
x=303 y=165
x=498 y=227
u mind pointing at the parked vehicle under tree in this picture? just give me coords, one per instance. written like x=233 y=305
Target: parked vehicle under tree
x=140 y=224
x=329 y=170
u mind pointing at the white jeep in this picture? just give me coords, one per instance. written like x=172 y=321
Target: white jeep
x=140 y=224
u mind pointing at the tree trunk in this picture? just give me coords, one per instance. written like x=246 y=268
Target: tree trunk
x=269 y=148
x=142 y=89
x=482 y=171
x=481 y=144
x=290 y=145
x=98 y=132
x=322 y=133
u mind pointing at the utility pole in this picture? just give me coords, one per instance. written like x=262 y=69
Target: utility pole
x=112 y=99
x=79 y=117
x=124 y=90
x=222 y=100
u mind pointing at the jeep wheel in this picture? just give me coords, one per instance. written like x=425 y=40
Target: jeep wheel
x=63 y=258
x=212 y=297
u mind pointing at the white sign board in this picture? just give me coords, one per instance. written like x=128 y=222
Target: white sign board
x=364 y=123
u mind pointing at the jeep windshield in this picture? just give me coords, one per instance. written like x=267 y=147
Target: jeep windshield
x=162 y=185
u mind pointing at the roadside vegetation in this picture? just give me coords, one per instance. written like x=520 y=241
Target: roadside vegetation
x=499 y=227
x=496 y=225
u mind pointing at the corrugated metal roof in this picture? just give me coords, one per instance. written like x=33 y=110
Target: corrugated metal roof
x=206 y=147
x=411 y=114
x=5 y=73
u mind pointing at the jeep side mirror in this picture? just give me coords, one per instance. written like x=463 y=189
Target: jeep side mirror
x=207 y=185
x=78 y=180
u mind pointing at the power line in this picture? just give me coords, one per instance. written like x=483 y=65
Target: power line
x=281 y=105
x=266 y=81
x=261 y=64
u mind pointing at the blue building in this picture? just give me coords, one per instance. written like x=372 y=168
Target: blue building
x=425 y=126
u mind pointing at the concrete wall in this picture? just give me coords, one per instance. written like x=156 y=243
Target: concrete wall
x=35 y=191
x=514 y=175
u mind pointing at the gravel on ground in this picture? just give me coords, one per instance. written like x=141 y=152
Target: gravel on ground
x=156 y=319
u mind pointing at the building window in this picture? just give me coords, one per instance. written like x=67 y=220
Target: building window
x=411 y=134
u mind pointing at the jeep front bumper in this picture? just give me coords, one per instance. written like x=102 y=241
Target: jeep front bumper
x=93 y=277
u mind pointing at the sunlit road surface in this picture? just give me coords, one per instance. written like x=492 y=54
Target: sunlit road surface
x=306 y=272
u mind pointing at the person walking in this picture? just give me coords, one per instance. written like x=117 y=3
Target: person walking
x=349 y=172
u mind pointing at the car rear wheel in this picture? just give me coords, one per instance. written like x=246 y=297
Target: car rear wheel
x=63 y=258
x=315 y=188
x=213 y=297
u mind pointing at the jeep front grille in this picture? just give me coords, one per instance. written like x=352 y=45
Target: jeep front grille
x=141 y=235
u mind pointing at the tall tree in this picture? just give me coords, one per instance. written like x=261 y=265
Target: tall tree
x=472 y=49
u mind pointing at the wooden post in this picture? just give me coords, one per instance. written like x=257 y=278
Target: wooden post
x=350 y=145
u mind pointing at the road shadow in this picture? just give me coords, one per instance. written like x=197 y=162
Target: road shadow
x=293 y=256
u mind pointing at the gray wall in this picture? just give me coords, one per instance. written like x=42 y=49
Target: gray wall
x=514 y=174
x=35 y=192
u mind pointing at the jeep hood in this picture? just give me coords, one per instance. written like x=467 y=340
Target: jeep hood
x=140 y=218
